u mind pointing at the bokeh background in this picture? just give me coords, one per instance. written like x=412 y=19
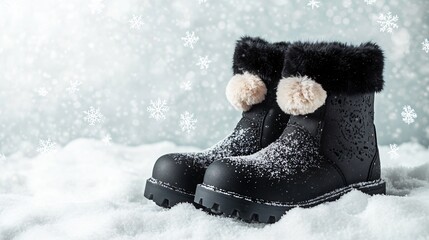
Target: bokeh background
x=46 y=45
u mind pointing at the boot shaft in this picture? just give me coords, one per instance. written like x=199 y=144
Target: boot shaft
x=335 y=103
x=348 y=137
x=269 y=120
x=256 y=59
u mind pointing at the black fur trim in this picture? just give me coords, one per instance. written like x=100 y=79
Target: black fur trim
x=259 y=57
x=338 y=67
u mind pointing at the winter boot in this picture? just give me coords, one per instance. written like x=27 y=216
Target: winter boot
x=257 y=67
x=328 y=148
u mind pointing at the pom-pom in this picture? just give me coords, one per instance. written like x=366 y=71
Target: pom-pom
x=300 y=95
x=245 y=90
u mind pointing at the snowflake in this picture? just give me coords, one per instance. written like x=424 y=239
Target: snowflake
x=387 y=22
x=42 y=92
x=136 y=22
x=313 y=4
x=408 y=114
x=157 y=109
x=204 y=62
x=93 y=116
x=190 y=39
x=2 y=157
x=73 y=88
x=186 y=85
x=393 y=151
x=106 y=139
x=202 y=1
x=369 y=2
x=46 y=146
x=96 y=6
x=187 y=122
x=425 y=44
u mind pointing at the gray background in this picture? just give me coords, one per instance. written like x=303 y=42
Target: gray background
x=47 y=44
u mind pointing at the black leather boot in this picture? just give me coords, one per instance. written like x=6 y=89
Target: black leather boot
x=257 y=67
x=328 y=148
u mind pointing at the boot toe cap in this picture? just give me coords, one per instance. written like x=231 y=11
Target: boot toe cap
x=241 y=180
x=179 y=171
x=246 y=180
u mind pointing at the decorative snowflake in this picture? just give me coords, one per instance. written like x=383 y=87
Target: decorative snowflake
x=93 y=116
x=96 y=6
x=425 y=44
x=203 y=62
x=190 y=39
x=186 y=85
x=106 y=139
x=387 y=22
x=408 y=114
x=136 y=22
x=2 y=157
x=393 y=151
x=187 y=122
x=369 y=2
x=157 y=109
x=313 y=4
x=42 y=91
x=46 y=146
x=202 y=1
x=73 y=88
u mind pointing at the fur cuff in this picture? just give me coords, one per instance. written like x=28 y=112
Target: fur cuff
x=300 y=95
x=259 y=57
x=245 y=90
x=338 y=67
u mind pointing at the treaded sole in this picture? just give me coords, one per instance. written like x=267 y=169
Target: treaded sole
x=250 y=210
x=166 y=196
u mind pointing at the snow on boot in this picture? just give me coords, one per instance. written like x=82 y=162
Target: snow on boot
x=257 y=67
x=328 y=148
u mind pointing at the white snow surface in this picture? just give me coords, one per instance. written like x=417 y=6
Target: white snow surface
x=91 y=190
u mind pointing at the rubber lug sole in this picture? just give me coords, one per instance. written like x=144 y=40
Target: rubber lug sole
x=233 y=205
x=166 y=196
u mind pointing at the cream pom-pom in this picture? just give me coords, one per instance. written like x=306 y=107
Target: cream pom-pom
x=300 y=95
x=245 y=90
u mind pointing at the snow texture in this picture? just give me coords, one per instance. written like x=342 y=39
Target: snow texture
x=243 y=141
x=46 y=146
x=87 y=190
x=298 y=147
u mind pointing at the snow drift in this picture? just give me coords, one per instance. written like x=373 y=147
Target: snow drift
x=90 y=190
